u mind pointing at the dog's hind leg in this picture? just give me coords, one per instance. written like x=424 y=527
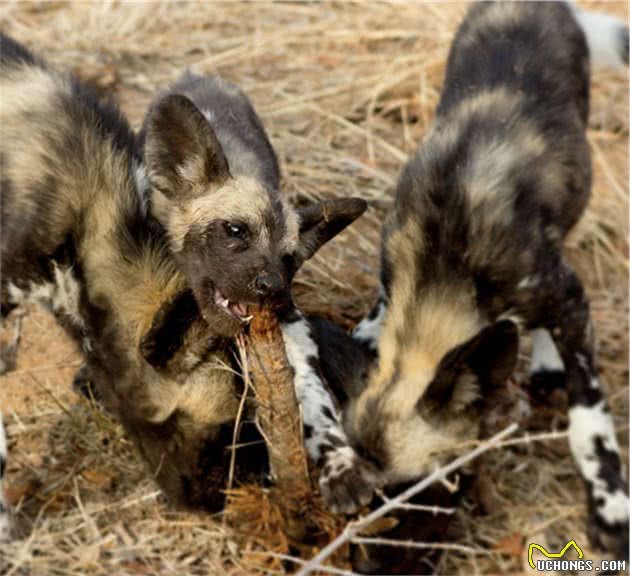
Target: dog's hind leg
x=546 y=370
x=592 y=435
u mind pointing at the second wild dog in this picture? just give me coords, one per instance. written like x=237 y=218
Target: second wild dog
x=474 y=246
x=214 y=185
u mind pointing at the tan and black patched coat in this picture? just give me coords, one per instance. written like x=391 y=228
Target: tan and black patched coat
x=76 y=237
x=473 y=247
x=214 y=185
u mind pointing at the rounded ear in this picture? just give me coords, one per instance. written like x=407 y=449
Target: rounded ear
x=321 y=222
x=168 y=329
x=182 y=152
x=488 y=357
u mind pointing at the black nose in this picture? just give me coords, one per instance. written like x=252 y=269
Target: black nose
x=269 y=285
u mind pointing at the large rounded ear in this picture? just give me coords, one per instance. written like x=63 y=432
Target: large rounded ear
x=168 y=329
x=182 y=153
x=473 y=369
x=322 y=221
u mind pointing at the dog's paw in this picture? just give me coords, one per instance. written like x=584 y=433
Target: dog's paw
x=83 y=385
x=346 y=482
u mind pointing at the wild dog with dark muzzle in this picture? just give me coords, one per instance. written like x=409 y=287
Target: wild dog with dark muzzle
x=75 y=237
x=474 y=244
x=215 y=188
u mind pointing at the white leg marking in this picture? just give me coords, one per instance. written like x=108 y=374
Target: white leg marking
x=346 y=482
x=368 y=330
x=319 y=410
x=545 y=356
x=586 y=424
x=62 y=295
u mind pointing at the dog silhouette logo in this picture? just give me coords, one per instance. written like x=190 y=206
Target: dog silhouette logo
x=547 y=554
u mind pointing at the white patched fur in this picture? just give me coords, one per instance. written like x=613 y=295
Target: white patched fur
x=368 y=331
x=315 y=400
x=545 y=356
x=604 y=37
x=345 y=482
x=62 y=296
x=585 y=424
x=5 y=526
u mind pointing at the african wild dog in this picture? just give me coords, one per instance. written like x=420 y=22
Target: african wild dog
x=76 y=237
x=214 y=185
x=474 y=243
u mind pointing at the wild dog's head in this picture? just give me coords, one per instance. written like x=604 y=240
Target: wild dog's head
x=237 y=242
x=437 y=372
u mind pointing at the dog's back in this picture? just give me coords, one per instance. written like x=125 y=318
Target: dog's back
x=505 y=172
x=535 y=49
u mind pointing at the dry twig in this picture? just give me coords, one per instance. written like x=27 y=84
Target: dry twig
x=278 y=415
x=353 y=529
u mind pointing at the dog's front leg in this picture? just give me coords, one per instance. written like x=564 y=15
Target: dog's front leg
x=346 y=481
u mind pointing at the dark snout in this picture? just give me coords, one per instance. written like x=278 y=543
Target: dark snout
x=271 y=286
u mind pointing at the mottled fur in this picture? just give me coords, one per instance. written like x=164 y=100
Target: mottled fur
x=211 y=167
x=474 y=244
x=215 y=187
x=76 y=238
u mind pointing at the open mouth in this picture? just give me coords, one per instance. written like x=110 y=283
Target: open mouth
x=237 y=310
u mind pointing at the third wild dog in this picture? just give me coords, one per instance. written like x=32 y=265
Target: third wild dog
x=214 y=185
x=474 y=243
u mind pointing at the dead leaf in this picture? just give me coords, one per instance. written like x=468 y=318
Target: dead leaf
x=19 y=491
x=98 y=478
x=512 y=545
x=379 y=526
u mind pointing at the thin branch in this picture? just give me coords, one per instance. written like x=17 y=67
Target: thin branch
x=296 y=560
x=435 y=510
x=353 y=529
x=420 y=545
x=240 y=342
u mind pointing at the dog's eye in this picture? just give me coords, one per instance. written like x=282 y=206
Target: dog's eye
x=236 y=230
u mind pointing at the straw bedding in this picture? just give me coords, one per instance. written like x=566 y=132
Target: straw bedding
x=346 y=91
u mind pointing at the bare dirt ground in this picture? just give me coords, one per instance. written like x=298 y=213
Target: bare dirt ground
x=346 y=92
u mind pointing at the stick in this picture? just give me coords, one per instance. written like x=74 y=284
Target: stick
x=278 y=415
x=419 y=545
x=353 y=529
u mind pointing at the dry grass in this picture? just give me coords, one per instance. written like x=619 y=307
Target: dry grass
x=346 y=91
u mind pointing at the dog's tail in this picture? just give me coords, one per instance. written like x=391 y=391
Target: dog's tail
x=606 y=36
